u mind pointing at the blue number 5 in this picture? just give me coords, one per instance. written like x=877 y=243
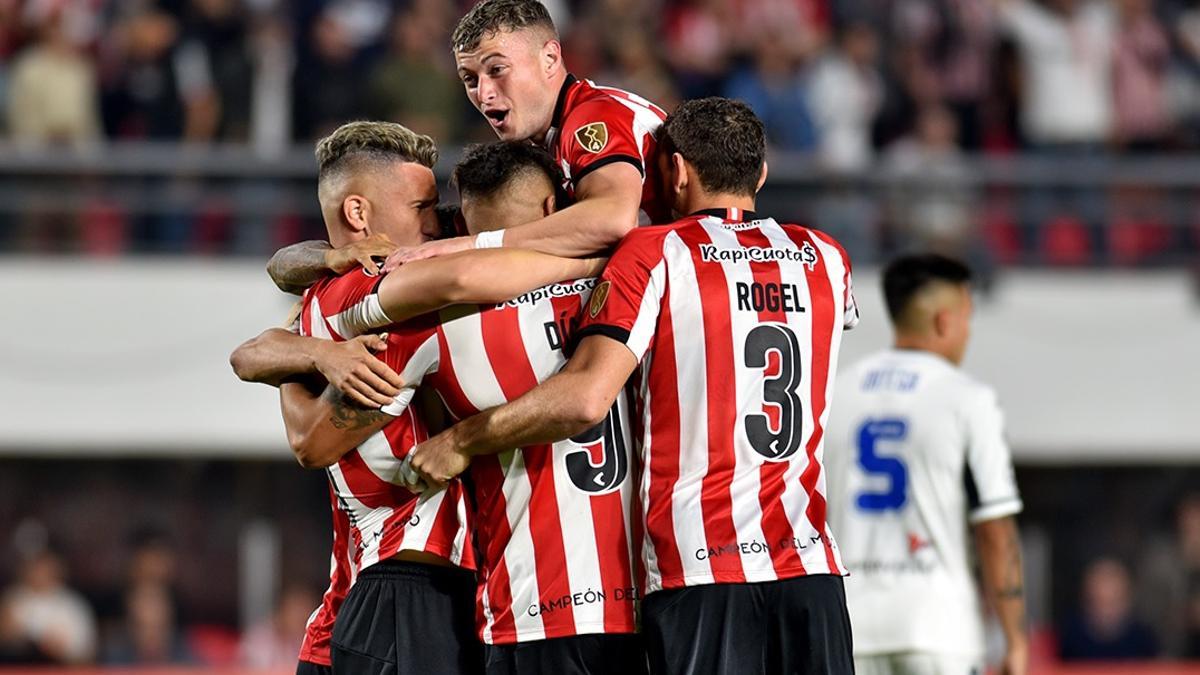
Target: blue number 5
x=869 y=434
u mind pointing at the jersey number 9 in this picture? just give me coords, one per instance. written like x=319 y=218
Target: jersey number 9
x=614 y=464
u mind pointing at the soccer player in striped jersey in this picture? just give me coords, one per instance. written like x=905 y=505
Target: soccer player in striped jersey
x=917 y=460
x=511 y=65
x=735 y=321
x=393 y=600
x=552 y=521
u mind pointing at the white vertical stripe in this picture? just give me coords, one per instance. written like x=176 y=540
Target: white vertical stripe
x=692 y=382
x=644 y=326
x=364 y=520
x=644 y=450
x=522 y=568
x=464 y=336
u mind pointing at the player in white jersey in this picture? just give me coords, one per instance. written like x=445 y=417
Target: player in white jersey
x=917 y=461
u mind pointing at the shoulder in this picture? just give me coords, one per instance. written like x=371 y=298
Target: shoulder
x=608 y=106
x=974 y=396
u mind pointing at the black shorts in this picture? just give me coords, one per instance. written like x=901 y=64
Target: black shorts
x=796 y=627
x=403 y=617
x=603 y=654
x=310 y=668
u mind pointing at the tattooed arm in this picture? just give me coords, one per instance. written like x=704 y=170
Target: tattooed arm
x=999 y=547
x=323 y=426
x=295 y=268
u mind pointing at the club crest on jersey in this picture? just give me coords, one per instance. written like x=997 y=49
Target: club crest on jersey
x=599 y=297
x=593 y=137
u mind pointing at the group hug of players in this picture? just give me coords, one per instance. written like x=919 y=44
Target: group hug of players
x=628 y=476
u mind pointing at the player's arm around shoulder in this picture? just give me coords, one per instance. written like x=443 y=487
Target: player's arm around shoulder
x=323 y=426
x=575 y=399
x=606 y=209
x=486 y=276
x=296 y=267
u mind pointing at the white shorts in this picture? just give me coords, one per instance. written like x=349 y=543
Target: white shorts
x=917 y=663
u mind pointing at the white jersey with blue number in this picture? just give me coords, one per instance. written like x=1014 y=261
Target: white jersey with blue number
x=915 y=455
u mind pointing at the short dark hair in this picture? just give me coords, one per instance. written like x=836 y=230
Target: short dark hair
x=487 y=168
x=356 y=142
x=906 y=276
x=722 y=139
x=490 y=17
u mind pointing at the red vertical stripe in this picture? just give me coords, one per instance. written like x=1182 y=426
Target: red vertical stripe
x=664 y=453
x=506 y=353
x=446 y=382
x=716 y=503
x=319 y=630
x=823 y=311
x=775 y=525
x=494 y=533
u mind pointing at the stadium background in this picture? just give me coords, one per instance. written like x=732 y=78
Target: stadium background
x=153 y=154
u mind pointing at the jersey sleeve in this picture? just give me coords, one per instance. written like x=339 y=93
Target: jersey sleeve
x=849 y=304
x=350 y=304
x=599 y=133
x=626 y=303
x=989 y=480
x=413 y=353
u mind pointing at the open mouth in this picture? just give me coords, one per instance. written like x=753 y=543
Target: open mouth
x=496 y=117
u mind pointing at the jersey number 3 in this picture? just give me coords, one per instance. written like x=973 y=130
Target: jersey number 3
x=869 y=434
x=780 y=391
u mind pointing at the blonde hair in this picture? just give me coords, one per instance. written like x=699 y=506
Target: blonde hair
x=490 y=17
x=356 y=143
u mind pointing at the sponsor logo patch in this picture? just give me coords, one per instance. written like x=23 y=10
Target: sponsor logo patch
x=599 y=297
x=593 y=137
x=713 y=253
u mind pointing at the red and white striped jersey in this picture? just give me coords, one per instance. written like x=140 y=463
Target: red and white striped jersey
x=318 y=630
x=595 y=126
x=737 y=323
x=552 y=522
x=374 y=516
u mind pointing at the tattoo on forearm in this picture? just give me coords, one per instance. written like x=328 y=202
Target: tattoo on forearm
x=347 y=415
x=1014 y=583
x=298 y=266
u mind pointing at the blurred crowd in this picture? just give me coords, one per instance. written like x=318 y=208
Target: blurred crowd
x=1133 y=603
x=839 y=79
x=139 y=620
x=884 y=102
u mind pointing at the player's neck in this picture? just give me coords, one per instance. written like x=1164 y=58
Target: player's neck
x=704 y=202
x=918 y=343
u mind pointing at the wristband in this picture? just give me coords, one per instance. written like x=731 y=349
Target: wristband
x=494 y=239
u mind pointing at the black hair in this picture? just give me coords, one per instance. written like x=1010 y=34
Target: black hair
x=722 y=139
x=907 y=275
x=487 y=168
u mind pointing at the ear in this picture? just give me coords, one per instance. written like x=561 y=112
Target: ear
x=356 y=210
x=549 y=205
x=551 y=57
x=941 y=323
x=762 y=178
x=679 y=172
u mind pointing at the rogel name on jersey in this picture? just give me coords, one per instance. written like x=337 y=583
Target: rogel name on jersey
x=768 y=297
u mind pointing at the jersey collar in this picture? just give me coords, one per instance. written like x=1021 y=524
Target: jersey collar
x=731 y=214
x=556 y=118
